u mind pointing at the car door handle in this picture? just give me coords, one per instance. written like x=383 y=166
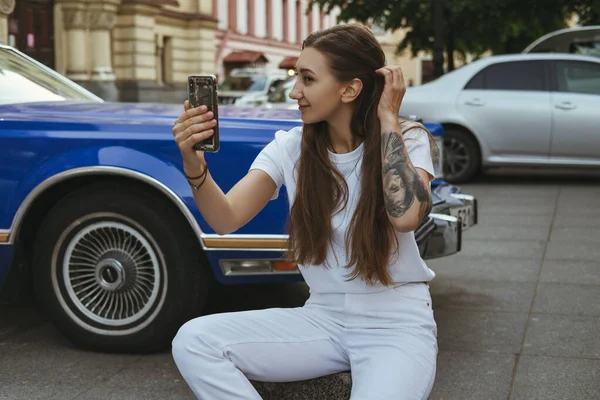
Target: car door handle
x=566 y=105
x=474 y=102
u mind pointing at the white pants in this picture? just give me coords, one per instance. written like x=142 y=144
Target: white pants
x=386 y=339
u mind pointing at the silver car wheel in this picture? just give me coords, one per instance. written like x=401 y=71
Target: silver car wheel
x=112 y=274
x=456 y=157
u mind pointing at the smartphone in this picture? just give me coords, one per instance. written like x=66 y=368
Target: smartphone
x=202 y=91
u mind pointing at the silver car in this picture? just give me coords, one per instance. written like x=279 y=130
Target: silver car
x=514 y=110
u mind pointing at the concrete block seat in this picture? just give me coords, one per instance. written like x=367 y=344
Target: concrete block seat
x=330 y=387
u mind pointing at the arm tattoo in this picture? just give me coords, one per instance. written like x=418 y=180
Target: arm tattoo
x=401 y=183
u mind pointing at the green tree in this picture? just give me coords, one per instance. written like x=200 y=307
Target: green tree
x=588 y=11
x=469 y=26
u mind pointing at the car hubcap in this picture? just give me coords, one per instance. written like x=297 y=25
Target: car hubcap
x=456 y=157
x=112 y=274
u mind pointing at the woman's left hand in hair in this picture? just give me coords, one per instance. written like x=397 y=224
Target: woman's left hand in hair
x=393 y=93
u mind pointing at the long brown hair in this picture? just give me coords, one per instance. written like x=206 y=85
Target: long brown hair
x=352 y=52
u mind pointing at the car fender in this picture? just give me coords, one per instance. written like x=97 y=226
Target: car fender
x=439 y=104
x=456 y=120
x=110 y=160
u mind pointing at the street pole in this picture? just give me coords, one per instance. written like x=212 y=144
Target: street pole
x=438 y=41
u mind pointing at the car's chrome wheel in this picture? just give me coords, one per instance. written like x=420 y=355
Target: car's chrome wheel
x=462 y=157
x=456 y=156
x=112 y=273
x=117 y=268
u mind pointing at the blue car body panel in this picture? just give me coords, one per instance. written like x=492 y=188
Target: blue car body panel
x=42 y=140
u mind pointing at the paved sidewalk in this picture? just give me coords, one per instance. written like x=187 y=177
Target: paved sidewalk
x=518 y=312
x=519 y=309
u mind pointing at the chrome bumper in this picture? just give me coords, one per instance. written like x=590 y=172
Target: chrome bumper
x=438 y=236
x=444 y=236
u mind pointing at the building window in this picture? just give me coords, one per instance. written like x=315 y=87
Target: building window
x=164 y=59
x=427 y=71
x=31 y=29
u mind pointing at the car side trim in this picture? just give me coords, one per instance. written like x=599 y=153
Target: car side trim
x=229 y=242
x=246 y=242
x=209 y=242
x=12 y=234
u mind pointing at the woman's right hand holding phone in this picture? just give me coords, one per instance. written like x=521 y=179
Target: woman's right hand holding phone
x=193 y=126
x=224 y=213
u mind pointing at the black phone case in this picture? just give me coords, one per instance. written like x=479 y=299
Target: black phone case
x=202 y=90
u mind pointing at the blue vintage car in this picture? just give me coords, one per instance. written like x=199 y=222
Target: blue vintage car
x=97 y=214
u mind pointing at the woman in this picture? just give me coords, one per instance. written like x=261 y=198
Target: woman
x=358 y=185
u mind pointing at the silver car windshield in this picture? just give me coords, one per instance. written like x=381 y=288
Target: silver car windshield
x=281 y=93
x=591 y=48
x=24 y=81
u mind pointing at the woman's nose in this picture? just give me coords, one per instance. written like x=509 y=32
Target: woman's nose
x=295 y=93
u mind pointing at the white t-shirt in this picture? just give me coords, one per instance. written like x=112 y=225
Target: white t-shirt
x=278 y=160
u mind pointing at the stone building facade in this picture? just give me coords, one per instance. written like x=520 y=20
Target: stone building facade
x=144 y=50
x=127 y=50
x=6 y=8
x=265 y=31
x=416 y=70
